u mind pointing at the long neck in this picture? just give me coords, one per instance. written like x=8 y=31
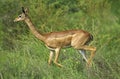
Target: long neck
x=33 y=30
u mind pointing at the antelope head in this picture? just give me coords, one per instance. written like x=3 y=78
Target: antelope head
x=22 y=16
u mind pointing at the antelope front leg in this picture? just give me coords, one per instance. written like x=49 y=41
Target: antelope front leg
x=50 y=57
x=57 y=51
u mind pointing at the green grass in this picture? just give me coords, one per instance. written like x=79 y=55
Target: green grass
x=22 y=56
x=30 y=62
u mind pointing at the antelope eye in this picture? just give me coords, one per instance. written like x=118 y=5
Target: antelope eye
x=20 y=16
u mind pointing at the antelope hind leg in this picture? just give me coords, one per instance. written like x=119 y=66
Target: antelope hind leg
x=89 y=48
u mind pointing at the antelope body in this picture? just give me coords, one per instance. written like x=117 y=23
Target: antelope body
x=54 y=41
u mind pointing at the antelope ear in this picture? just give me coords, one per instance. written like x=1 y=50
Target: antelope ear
x=24 y=10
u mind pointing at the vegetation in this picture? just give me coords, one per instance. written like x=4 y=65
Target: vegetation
x=22 y=56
